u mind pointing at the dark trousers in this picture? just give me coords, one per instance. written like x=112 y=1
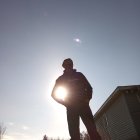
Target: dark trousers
x=73 y=117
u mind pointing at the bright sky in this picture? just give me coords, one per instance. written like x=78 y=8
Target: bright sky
x=101 y=36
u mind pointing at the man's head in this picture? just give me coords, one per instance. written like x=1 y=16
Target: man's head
x=67 y=64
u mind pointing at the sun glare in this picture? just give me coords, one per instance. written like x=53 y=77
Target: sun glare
x=61 y=93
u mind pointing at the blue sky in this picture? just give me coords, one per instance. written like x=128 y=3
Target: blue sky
x=101 y=36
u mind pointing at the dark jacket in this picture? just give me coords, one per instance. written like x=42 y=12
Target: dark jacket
x=79 y=89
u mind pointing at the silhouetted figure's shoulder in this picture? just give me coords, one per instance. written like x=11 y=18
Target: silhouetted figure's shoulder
x=80 y=74
x=70 y=74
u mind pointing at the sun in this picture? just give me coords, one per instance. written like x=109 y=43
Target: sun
x=61 y=93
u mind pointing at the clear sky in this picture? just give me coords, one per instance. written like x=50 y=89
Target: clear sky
x=101 y=36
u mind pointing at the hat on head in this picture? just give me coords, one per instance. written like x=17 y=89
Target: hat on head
x=67 y=63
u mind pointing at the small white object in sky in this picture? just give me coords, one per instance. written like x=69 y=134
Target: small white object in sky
x=77 y=40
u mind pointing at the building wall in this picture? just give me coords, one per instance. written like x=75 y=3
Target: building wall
x=116 y=123
x=133 y=101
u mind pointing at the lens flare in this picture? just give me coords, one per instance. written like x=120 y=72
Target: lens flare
x=61 y=93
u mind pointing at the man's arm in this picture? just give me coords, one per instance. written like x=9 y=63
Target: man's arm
x=88 y=88
x=53 y=94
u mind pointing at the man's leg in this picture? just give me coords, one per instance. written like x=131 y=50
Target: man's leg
x=73 y=124
x=87 y=118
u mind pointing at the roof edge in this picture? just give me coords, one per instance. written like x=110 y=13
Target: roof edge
x=115 y=94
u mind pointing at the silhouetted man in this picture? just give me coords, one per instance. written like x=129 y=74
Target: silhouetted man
x=76 y=100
